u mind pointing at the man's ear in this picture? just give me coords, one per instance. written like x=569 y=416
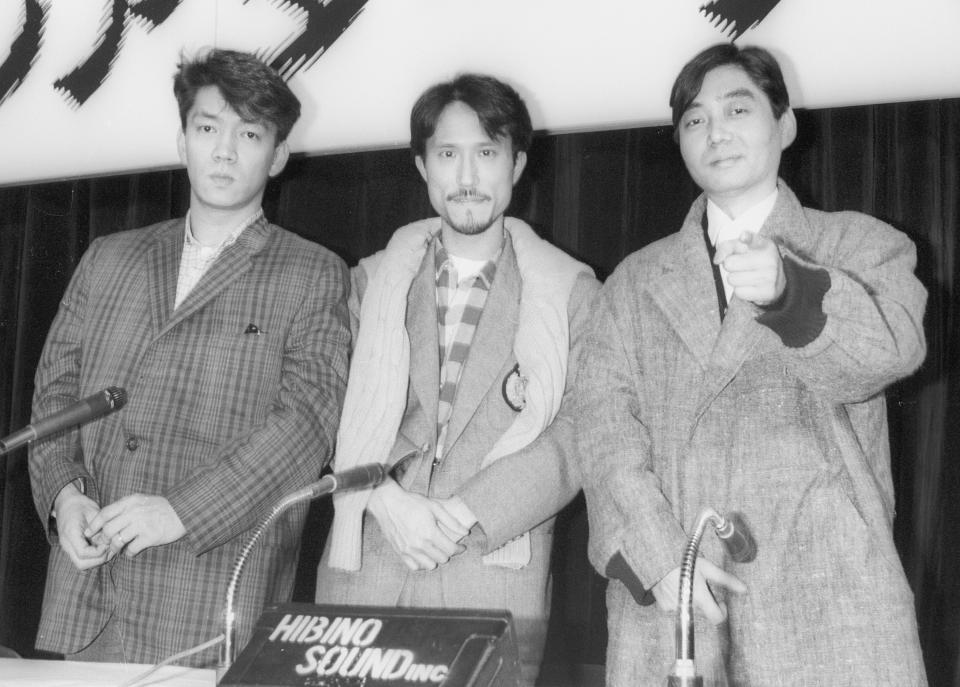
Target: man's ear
x=182 y=147
x=788 y=128
x=422 y=168
x=519 y=163
x=280 y=156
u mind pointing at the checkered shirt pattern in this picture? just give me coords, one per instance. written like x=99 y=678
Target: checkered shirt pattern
x=197 y=258
x=459 y=306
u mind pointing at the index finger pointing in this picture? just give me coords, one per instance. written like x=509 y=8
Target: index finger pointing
x=724 y=249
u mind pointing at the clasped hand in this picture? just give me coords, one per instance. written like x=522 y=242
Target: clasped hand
x=91 y=536
x=423 y=531
x=754 y=268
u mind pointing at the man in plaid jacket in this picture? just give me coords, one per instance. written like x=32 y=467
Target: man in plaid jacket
x=231 y=337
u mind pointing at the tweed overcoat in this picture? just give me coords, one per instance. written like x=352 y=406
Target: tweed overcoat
x=680 y=412
x=517 y=493
x=234 y=399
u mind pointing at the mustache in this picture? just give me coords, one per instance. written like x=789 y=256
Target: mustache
x=467 y=194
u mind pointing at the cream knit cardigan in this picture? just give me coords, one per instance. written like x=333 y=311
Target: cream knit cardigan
x=379 y=370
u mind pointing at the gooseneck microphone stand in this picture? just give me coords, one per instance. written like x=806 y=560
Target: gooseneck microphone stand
x=741 y=547
x=362 y=477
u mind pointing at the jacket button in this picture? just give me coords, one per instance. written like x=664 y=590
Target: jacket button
x=132 y=444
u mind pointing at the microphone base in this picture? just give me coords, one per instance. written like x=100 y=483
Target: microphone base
x=296 y=644
x=684 y=674
x=676 y=681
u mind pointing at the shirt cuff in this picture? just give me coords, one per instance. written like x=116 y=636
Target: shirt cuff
x=797 y=317
x=619 y=569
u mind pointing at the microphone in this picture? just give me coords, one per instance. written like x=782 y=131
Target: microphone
x=90 y=408
x=737 y=539
x=742 y=548
x=360 y=477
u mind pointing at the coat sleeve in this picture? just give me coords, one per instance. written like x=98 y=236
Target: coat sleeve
x=253 y=471
x=868 y=301
x=56 y=462
x=628 y=513
x=519 y=491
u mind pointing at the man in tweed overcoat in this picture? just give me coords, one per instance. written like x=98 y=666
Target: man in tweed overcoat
x=230 y=336
x=740 y=364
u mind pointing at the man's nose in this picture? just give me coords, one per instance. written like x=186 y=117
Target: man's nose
x=717 y=130
x=467 y=172
x=225 y=148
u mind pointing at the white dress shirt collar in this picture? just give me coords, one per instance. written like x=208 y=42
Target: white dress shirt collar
x=721 y=227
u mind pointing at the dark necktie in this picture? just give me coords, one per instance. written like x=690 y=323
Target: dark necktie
x=717 y=277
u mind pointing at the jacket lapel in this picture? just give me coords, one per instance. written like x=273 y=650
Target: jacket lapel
x=163 y=267
x=492 y=344
x=738 y=338
x=685 y=291
x=740 y=334
x=424 y=339
x=788 y=225
x=230 y=265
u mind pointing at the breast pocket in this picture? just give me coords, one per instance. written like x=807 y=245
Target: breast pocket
x=240 y=377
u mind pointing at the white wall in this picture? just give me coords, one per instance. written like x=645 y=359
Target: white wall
x=581 y=64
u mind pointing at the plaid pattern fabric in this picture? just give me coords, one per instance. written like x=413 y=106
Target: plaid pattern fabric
x=234 y=399
x=459 y=306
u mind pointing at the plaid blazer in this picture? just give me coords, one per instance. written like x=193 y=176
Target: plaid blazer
x=679 y=412
x=234 y=400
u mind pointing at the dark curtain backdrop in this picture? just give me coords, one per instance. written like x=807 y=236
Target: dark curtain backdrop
x=600 y=196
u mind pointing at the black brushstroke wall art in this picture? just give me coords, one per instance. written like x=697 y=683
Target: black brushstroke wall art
x=736 y=17
x=24 y=49
x=319 y=26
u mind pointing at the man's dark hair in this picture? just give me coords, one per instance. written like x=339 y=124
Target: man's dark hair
x=254 y=90
x=758 y=64
x=499 y=107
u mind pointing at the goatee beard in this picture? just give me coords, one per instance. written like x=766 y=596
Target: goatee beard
x=470 y=226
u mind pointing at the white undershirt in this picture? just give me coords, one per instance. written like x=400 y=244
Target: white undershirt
x=467 y=270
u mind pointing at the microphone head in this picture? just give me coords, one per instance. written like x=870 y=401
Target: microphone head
x=116 y=397
x=737 y=538
x=361 y=477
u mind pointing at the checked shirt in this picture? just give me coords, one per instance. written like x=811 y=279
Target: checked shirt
x=459 y=306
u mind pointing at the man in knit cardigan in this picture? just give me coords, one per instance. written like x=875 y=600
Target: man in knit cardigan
x=740 y=364
x=467 y=327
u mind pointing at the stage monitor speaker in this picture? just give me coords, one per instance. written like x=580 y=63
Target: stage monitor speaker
x=372 y=646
